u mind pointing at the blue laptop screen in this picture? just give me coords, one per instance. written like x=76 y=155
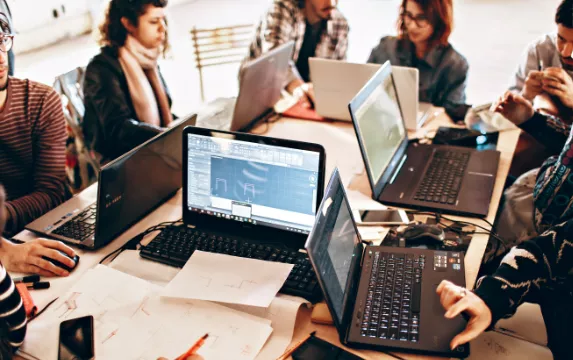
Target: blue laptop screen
x=251 y=182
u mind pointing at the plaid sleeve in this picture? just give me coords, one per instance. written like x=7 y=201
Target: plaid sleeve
x=342 y=30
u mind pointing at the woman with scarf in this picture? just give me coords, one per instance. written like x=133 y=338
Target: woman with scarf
x=126 y=99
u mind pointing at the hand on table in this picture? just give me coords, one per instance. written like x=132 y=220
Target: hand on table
x=303 y=91
x=27 y=257
x=456 y=299
x=558 y=83
x=514 y=107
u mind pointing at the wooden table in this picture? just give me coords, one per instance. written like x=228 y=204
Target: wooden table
x=343 y=152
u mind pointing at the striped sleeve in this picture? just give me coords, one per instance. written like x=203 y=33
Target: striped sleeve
x=12 y=313
x=49 y=138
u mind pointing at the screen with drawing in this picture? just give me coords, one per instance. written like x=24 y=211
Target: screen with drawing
x=252 y=182
x=382 y=130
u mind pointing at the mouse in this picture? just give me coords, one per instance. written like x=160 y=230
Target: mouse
x=75 y=259
x=423 y=231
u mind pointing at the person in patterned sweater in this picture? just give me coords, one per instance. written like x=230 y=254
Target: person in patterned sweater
x=539 y=270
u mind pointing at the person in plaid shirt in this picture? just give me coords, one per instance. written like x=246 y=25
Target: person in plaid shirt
x=317 y=28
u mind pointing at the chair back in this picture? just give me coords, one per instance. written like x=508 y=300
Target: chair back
x=82 y=163
x=219 y=46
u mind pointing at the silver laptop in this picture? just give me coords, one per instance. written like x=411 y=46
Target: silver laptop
x=333 y=93
x=261 y=83
x=128 y=188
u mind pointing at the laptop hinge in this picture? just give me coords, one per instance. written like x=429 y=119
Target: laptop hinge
x=399 y=168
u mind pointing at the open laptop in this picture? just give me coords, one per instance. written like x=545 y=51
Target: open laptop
x=442 y=178
x=380 y=297
x=128 y=188
x=333 y=93
x=250 y=196
x=260 y=86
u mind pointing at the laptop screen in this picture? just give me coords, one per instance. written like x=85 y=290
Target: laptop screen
x=379 y=123
x=332 y=245
x=261 y=184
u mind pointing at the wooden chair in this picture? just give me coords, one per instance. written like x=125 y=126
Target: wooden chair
x=82 y=163
x=219 y=46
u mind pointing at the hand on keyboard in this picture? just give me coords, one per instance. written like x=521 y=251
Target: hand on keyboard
x=456 y=300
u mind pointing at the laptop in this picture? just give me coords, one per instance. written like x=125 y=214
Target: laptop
x=333 y=93
x=128 y=188
x=443 y=178
x=383 y=298
x=407 y=80
x=260 y=86
x=249 y=196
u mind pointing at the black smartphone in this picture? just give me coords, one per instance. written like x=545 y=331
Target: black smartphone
x=77 y=339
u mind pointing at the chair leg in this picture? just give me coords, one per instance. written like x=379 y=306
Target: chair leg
x=201 y=84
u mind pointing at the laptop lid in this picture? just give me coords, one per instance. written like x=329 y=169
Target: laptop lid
x=407 y=82
x=261 y=83
x=134 y=184
x=252 y=185
x=335 y=251
x=333 y=93
x=379 y=126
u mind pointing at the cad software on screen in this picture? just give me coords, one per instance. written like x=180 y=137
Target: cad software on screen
x=251 y=182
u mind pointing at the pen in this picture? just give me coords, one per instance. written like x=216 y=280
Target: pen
x=194 y=348
x=295 y=346
x=27 y=279
x=38 y=285
x=540 y=65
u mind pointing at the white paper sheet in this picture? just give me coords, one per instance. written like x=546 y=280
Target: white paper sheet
x=228 y=279
x=282 y=313
x=132 y=321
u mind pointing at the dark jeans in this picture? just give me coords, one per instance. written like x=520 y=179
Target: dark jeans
x=557 y=310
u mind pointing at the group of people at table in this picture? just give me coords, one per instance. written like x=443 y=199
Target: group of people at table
x=127 y=102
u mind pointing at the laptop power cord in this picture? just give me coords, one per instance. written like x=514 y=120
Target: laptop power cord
x=135 y=242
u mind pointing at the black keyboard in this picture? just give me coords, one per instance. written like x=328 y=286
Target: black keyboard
x=175 y=245
x=81 y=226
x=392 y=308
x=443 y=179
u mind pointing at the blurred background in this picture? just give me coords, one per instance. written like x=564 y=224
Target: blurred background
x=55 y=36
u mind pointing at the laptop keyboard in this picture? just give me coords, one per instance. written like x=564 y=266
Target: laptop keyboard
x=176 y=244
x=81 y=226
x=392 y=308
x=443 y=179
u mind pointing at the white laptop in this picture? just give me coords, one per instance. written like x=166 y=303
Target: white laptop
x=337 y=82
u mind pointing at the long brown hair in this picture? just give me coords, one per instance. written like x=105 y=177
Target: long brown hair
x=440 y=14
x=112 y=31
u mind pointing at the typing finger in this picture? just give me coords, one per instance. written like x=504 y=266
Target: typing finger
x=442 y=286
x=458 y=307
x=471 y=332
x=449 y=298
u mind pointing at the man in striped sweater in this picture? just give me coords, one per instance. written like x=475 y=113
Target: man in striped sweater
x=32 y=163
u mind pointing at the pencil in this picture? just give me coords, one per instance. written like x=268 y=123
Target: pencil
x=294 y=347
x=194 y=348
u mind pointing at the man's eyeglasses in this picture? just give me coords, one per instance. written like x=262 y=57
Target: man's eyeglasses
x=420 y=20
x=6 y=42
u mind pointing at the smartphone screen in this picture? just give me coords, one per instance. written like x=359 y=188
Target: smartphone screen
x=380 y=216
x=77 y=339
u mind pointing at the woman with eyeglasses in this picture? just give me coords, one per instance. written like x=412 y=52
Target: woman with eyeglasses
x=424 y=27
x=126 y=99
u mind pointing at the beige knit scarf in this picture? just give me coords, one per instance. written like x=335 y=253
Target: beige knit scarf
x=139 y=65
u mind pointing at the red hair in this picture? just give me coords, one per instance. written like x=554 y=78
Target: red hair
x=439 y=13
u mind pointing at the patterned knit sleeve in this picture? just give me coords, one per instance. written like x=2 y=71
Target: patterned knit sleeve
x=543 y=261
x=49 y=170
x=553 y=192
x=12 y=313
x=548 y=130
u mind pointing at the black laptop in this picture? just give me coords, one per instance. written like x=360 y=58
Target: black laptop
x=380 y=297
x=128 y=188
x=442 y=178
x=249 y=196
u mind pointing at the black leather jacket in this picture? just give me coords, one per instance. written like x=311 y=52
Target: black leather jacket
x=110 y=123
